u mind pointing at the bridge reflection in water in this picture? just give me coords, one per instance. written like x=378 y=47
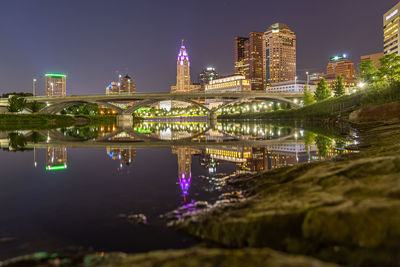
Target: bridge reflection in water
x=250 y=147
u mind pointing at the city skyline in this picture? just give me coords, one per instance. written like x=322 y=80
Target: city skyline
x=93 y=51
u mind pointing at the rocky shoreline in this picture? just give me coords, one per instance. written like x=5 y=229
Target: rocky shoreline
x=345 y=211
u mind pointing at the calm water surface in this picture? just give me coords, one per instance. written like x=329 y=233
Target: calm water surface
x=75 y=187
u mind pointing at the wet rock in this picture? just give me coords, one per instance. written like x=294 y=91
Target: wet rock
x=137 y=218
x=206 y=257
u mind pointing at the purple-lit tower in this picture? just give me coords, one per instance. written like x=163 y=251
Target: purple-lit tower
x=183 y=83
x=182 y=72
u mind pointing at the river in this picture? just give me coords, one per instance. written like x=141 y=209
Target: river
x=106 y=188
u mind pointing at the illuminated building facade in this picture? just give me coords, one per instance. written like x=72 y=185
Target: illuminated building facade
x=291 y=87
x=127 y=85
x=391 y=24
x=233 y=83
x=208 y=75
x=279 y=57
x=340 y=65
x=55 y=84
x=316 y=77
x=374 y=58
x=249 y=59
x=112 y=88
x=56 y=158
x=237 y=154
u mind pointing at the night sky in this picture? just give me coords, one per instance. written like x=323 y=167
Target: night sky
x=90 y=39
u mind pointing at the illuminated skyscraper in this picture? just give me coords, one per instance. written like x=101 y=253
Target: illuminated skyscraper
x=127 y=85
x=391 y=27
x=183 y=83
x=207 y=75
x=279 y=46
x=55 y=84
x=242 y=55
x=249 y=58
x=340 y=65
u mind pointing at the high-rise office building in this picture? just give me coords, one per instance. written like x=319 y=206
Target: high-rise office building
x=55 y=84
x=127 y=85
x=374 y=58
x=249 y=59
x=183 y=83
x=279 y=47
x=242 y=55
x=341 y=65
x=208 y=74
x=391 y=27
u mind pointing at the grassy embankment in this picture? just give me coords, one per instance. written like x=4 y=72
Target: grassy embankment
x=330 y=108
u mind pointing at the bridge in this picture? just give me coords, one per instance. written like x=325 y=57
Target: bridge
x=55 y=104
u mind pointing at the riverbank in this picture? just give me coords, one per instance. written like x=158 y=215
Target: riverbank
x=330 y=109
x=48 y=121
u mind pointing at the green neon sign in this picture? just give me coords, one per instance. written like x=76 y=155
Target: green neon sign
x=59 y=75
x=55 y=168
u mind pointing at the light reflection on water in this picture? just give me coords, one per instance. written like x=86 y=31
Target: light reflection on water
x=72 y=186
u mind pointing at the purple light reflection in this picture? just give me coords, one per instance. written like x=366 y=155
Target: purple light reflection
x=184 y=182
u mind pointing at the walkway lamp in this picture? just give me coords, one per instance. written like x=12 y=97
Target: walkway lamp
x=33 y=87
x=308 y=78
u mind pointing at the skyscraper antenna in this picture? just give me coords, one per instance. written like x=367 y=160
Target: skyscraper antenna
x=182 y=42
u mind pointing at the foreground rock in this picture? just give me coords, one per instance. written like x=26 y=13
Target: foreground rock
x=347 y=211
x=170 y=258
x=388 y=112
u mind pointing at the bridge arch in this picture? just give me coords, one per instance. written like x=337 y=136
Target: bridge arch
x=147 y=102
x=58 y=107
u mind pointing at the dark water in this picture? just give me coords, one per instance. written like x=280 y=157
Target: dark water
x=75 y=187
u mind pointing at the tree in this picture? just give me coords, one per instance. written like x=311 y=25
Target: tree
x=322 y=91
x=16 y=103
x=323 y=144
x=35 y=106
x=338 y=87
x=308 y=98
x=390 y=69
x=367 y=71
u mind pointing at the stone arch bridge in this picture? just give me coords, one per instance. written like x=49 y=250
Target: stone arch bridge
x=55 y=104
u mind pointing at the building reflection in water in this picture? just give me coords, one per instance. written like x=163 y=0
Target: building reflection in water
x=184 y=158
x=126 y=156
x=56 y=158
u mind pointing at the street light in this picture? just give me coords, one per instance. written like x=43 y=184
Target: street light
x=308 y=78
x=34 y=86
